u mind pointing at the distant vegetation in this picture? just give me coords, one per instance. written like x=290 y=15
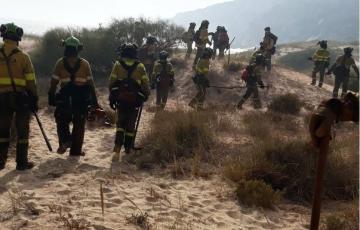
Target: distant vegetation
x=100 y=43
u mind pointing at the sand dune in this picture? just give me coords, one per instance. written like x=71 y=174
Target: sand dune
x=62 y=188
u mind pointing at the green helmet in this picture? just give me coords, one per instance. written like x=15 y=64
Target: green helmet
x=323 y=44
x=348 y=50
x=11 y=31
x=204 y=23
x=192 y=24
x=72 y=42
x=163 y=55
x=129 y=51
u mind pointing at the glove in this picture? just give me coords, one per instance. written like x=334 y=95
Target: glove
x=33 y=103
x=51 y=98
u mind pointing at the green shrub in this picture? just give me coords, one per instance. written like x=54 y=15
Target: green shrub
x=257 y=193
x=287 y=103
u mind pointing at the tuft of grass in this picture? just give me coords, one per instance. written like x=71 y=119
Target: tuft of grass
x=334 y=222
x=287 y=104
x=175 y=135
x=257 y=193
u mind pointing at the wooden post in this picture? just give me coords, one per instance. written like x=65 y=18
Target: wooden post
x=320 y=172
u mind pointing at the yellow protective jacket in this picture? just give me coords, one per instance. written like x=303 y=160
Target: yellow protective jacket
x=321 y=55
x=139 y=75
x=61 y=75
x=203 y=66
x=347 y=61
x=158 y=68
x=21 y=68
x=203 y=38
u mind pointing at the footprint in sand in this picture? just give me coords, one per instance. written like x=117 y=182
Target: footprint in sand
x=233 y=214
x=64 y=192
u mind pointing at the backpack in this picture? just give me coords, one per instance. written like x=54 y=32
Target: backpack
x=223 y=38
x=340 y=69
x=246 y=73
x=127 y=92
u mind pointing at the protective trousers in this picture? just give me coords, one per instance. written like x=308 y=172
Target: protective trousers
x=9 y=110
x=125 y=126
x=189 y=49
x=251 y=90
x=162 y=93
x=341 y=81
x=64 y=116
x=318 y=68
x=200 y=96
x=199 y=52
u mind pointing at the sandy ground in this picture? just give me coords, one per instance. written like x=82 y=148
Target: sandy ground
x=62 y=191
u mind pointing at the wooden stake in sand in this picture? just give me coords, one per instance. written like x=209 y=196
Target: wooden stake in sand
x=102 y=198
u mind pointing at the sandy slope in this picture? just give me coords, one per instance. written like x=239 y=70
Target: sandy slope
x=74 y=184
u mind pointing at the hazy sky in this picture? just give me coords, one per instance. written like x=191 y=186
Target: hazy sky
x=91 y=13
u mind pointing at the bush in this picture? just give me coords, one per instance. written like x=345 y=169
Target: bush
x=100 y=43
x=257 y=193
x=173 y=135
x=287 y=103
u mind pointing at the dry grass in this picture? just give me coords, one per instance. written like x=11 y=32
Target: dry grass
x=257 y=193
x=176 y=135
x=67 y=219
x=287 y=104
x=347 y=219
x=233 y=67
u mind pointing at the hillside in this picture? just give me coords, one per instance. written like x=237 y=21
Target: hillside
x=62 y=190
x=291 y=20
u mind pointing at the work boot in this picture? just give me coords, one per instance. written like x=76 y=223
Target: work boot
x=129 y=141
x=240 y=104
x=63 y=147
x=26 y=166
x=320 y=84
x=128 y=150
x=313 y=83
x=81 y=154
x=117 y=149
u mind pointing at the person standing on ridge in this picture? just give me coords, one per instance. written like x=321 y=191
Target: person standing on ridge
x=18 y=95
x=269 y=43
x=188 y=38
x=321 y=59
x=76 y=94
x=341 y=70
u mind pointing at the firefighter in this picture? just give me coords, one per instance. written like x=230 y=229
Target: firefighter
x=321 y=59
x=341 y=70
x=269 y=43
x=148 y=57
x=76 y=94
x=201 y=39
x=18 y=95
x=188 y=38
x=201 y=79
x=164 y=75
x=253 y=79
x=129 y=89
x=222 y=42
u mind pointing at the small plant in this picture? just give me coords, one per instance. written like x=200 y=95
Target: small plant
x=335 y=222
x=287 y=103
x=257 y=193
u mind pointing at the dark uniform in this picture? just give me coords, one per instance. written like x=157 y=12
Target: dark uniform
x=77 y=92
x=201 y=39
x=188 y=38
x=201 y=79
x=321 y=60
x=254 y=79
x=221 y=41
x=16 y=100
x=164 y=75
x=128 y=68
x=269 y=42
x=341 y=70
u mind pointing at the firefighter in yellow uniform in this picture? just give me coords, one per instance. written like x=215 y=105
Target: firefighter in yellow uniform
x=201 y=39
x=18 y=95
x=129 y=89
x=76 y=94
x=164 y=75
x=321 y=59
x=201 y=80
